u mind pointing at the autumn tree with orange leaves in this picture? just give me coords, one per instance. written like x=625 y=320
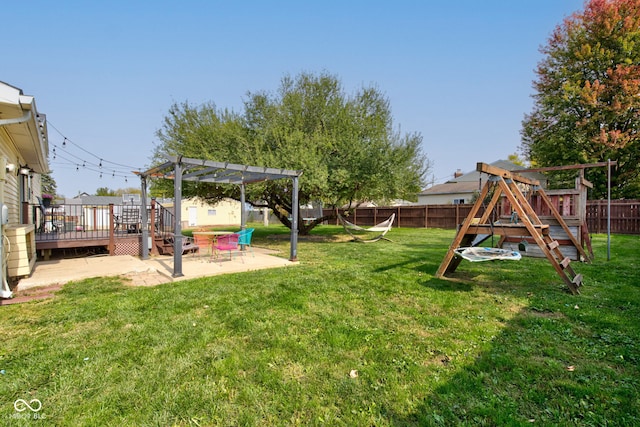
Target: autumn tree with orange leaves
x=587 y=100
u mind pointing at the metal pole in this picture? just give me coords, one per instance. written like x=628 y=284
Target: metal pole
x=608 y=209
x=294 y=226
x=243 y=211
x=143 y=218
x=177 y=212
x=5 y=291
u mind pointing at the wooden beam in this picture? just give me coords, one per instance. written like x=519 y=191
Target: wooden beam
x=449 y=257
x=505 y=229
x=505 y=174
x=568 y=167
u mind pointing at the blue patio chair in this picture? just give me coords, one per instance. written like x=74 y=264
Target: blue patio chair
x=244 y=239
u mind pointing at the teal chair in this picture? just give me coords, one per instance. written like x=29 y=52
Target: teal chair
x=244 y=239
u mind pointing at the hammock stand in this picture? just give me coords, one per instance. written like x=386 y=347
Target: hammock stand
x=358 y=233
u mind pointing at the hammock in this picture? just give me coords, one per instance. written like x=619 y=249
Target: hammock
x=476 y=254
x=361 y=234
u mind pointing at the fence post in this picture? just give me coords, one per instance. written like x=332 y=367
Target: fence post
x=426 y=216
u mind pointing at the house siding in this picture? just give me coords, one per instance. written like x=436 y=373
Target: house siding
x=444 y=199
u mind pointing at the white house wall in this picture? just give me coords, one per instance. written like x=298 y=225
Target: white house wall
x=443 y=199
x=226 y=212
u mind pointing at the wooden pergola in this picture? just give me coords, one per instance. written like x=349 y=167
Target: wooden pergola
x=181 y=169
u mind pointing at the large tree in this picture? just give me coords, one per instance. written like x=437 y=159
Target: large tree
x=346 y=146
x=587 y=100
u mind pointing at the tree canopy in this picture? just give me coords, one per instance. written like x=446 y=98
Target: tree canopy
x=346 y=145
x=587 y=100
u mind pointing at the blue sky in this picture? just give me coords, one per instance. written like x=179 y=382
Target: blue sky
x=105 y=73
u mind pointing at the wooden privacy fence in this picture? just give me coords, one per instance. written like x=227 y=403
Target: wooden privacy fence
x=423 y=216
x=625 y=215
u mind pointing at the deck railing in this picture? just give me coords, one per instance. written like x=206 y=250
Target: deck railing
x=98 y=221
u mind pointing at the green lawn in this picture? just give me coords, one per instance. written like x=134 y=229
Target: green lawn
x=357 y=335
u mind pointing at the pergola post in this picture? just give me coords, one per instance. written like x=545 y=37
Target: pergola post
x=177 y=229
x=243 y=211
x=294 y=225
x=143 y=218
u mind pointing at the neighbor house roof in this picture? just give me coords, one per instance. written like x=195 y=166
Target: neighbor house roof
x=470 y=181
x=451 y=188
x=85 y=199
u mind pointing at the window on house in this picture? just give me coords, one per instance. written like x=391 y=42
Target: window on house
x=211 y=212
x=458 y=201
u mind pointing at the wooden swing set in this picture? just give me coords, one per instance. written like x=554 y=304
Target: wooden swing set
x=474 y=230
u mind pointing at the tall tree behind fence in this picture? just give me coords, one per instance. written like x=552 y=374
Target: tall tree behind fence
x=625 y=216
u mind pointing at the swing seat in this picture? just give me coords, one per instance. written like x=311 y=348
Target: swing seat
x=478 y=254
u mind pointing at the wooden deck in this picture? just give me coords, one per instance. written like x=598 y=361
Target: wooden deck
x=79 y=239
x=116 y=229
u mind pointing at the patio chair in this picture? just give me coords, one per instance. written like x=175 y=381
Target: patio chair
x=204 y=242
x=228 y=242
x=131 y=219
x=244 y=239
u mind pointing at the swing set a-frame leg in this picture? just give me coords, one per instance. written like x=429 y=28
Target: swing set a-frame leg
x=450 y=262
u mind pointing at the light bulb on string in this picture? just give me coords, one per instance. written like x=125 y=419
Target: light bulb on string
x=64 y=142
x=100 y=165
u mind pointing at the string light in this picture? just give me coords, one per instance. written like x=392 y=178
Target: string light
x=65 y=158
x=100 y=159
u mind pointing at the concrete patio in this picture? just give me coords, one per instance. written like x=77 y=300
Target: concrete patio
x=153 y=271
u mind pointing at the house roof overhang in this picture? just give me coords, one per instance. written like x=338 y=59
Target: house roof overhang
x=24 y=127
